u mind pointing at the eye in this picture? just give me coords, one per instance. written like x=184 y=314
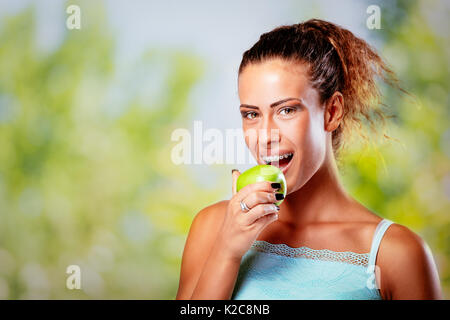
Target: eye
x=249 y=115
x=287 y=110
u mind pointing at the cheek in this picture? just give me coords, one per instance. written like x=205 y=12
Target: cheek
x=299 y=132
x=251 y=139
x=308 y=135
x=248 y=137
x=315 y=140
x=310 y=142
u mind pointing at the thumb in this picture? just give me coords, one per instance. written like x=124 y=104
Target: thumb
x=235 y=174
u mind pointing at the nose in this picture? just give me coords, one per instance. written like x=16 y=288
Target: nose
x=268 y=135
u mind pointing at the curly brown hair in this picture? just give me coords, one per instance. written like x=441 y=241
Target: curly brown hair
x=338 y=61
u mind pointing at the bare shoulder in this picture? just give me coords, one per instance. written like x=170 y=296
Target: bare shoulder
x=204 y=229
x=398 y=240
x=211 y=216
x=214 y=209
x=401 y=245
x=206 y=224
x=399 y=237
x=407 y=265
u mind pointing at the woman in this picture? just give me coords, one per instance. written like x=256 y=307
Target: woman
x=303 y=89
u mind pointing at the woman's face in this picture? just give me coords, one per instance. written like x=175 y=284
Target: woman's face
x=282 y=115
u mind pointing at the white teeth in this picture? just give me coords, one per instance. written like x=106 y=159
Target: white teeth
x=276 y=158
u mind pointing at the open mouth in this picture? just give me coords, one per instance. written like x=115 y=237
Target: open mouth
x=281 y=161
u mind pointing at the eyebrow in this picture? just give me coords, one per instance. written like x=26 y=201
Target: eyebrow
x=272 y=105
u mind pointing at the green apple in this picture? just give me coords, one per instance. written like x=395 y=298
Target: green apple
x=263 y=172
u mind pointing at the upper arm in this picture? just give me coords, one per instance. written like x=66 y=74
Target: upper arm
x=407 y=266
x=199 y=242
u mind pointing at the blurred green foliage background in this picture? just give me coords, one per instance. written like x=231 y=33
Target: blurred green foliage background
x=85 y=170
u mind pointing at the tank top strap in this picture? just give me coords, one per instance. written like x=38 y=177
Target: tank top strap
x=378 y=235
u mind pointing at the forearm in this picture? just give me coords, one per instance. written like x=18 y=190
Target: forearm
x=218 y=277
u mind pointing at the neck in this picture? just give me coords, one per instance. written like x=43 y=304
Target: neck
x=321 y=199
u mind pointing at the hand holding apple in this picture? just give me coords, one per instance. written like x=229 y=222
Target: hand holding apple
x=263 y=173
x=241 y=228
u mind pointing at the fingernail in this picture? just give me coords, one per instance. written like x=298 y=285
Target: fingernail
x=276 y=185
x=279 y=196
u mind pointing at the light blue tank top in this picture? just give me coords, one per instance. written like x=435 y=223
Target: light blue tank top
x=277 y=271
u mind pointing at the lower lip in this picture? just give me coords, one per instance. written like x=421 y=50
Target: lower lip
x=284 y=169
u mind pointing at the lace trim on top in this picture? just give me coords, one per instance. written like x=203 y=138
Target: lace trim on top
x=360 y=259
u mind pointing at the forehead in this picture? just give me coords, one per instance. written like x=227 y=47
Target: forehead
x=272 y=80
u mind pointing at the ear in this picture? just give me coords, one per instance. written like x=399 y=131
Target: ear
x=334 y=111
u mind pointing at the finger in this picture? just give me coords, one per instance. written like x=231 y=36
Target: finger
x=260 y=211
x=261 y=197
x=264 y=221
x=266 y=186
x=235 y=175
